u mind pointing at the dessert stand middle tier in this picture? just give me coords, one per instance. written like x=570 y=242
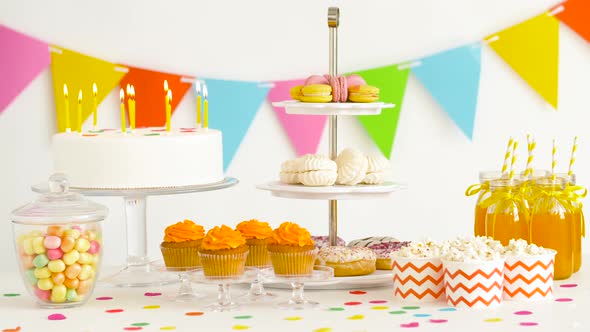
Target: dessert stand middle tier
x=138 y=271
x=336 y=192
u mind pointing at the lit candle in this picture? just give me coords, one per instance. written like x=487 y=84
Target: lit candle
x=132 y=107
x=94 y=105
x=123 y=122
x=168 y=109
x=67 y=109
x=79 y=127
x=198 y=90
x=206 y=106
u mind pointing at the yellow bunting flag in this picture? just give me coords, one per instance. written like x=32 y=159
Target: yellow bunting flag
x=531 y=48
x=79 y=72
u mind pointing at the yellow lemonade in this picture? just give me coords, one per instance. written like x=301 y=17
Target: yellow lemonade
x=504 y=227
x=555 y=230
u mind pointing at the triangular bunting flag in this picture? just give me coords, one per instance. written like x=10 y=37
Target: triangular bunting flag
x=392 y=84
x=22 y=58
x=304 y=131
x=576 y=14
x=452 y=77
x=232 y=107
x=532 y=50
x=79 y=71
x=150 y=97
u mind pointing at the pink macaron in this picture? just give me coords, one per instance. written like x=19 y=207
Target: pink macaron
x=355 y=80
x=339 y=89
x=316 y=79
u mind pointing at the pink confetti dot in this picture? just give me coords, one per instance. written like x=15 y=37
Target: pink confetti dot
x=438 y=321
x=104 y=298
x=410 y=325
x=523 y=312
x=152 y=294
x=56 y=317
x=353 y=303
x=357 y=292
x=132 y=328
x=528 y=324
x=568 y=285
x=378 y=301
x=564 y=299
x=113 y=311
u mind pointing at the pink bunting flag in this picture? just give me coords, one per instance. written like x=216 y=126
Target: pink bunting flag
x=304 y=131
x=22 y=58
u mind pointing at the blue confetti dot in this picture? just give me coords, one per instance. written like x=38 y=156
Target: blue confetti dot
x=422 y=315
x=447 y=309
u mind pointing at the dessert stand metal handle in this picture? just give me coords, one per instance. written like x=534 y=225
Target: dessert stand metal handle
x=333 y=22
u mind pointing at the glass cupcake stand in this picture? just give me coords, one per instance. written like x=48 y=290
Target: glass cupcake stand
x=224 y=300
x=336 y=192
x=138 y=271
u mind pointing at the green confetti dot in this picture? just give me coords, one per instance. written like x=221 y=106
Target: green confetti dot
x=411 y=307
x=151 y=134
x=140 y=324
x=96 y=131
x=397 y=312
x=11 y=294
x=243 y=317
x=336 y=309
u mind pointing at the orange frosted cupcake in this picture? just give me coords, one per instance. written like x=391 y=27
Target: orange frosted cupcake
x=257 y=235
x=292 y=250
x=181 y=244
x=223 y=252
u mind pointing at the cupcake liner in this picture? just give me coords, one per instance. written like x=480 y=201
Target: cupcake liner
x=223 y=265
x=181 y=257
x=418 y=279
x=258 y=256
x=474 y=284
x=297 y=263
x=529 y=278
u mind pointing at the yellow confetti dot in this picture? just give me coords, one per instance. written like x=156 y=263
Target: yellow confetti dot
x=356 y=317
x=240 y=327
x=293 y=318
x=380 y=307
x=323 y=329
x=168 y=328
x=493 y=320
x=151 y=307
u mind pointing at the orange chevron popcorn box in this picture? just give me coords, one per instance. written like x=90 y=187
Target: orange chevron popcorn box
x=418 y=279
x=529 y=278
x=474 y=284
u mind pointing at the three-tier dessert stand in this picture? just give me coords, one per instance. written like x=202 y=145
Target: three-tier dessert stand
x=333 y=193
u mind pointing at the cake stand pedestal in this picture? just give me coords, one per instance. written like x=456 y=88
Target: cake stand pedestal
x=138 y=272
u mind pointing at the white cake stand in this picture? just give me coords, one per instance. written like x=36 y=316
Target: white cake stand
x=138 y=272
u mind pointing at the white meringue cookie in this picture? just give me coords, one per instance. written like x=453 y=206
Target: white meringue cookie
x=352 y=167
x=289 y=166
x=375 y=178
x=313 y=162
x=289 y=177
x=377 y=163
x=318 y=178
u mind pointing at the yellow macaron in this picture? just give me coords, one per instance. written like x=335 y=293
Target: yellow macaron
x=363 y=94
x=316 y=93
x=296 y=92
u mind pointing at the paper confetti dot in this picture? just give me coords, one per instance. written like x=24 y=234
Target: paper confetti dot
x=564 y=299
x=528 y=324
x=104 y=298
x=132 y=328
x=243 y=317
x=523 y=312
x=56 y=317
x=151 y=134
x=422 y=315
x=151 y=294
x=89 y=135
x=397 y=312
x=140 y=324
x=356 y=317
x=167 y=328
x=194 y=313
x=294 y=318
x=447 y=309
x=11 y=294
x=410 y=325
x=323 y=329
x=240 y=327
x=336 y=309
x=357 y=292
x=493 y=320
x=353 y=303
x=438 y=321
x=380 y=307
x=152 y=307
x=16 y=329
x=113 y=311
x=377 y=301
x=411 y=307
x=568 y=285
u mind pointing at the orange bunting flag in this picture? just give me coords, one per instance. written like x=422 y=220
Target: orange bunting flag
x=576 y=14
x=531 y=48
x=150 y=97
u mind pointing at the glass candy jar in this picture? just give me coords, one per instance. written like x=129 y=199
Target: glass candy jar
x=483 y=191
x=507 y=215
x=58 y=242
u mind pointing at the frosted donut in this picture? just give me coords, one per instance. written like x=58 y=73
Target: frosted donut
x=347 y=261
x=382 y=246
x=352 y=167
x=321 y=241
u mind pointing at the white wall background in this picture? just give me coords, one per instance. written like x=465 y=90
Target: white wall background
x=267 y=39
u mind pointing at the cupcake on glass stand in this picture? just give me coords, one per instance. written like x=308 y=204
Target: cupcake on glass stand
x=257 y=235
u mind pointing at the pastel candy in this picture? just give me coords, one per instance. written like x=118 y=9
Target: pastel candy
x=77 y=227
x=58 y=293
x=91 y=235
x=71 y=295
x=56 y=266
x=72 y=283
x=35 y=233
x=74 y=233
x=40 y=260
x=27 y=261
x=28 y=246
x=52 y=242
x=58 y=278
x=42 y=273
x=54 y=254
x=30 y=273
x=94 y=247
x=84 y=286
x=73 y=271
x=85 y=258
x=42 y=294
x=71 y=257
x=67 y=243
x=45 y=284
x=55 y=230
x=21 y=238
x=85 y=273
x=82 y=245
x=38 y=246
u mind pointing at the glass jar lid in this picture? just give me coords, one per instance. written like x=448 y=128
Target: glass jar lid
x=59 y=206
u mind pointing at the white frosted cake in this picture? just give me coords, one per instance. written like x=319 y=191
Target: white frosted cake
x=147 y=158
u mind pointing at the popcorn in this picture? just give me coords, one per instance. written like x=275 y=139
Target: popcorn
x=479 y=248
x=420 y=249
x=521 y=248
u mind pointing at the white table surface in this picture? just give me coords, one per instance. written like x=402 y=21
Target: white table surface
x=336 y=312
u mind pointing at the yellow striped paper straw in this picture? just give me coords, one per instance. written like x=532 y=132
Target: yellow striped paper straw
x=531 y=144
x=570 y=170
x=514 y=147
x=553 y=159
x=507 y=155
